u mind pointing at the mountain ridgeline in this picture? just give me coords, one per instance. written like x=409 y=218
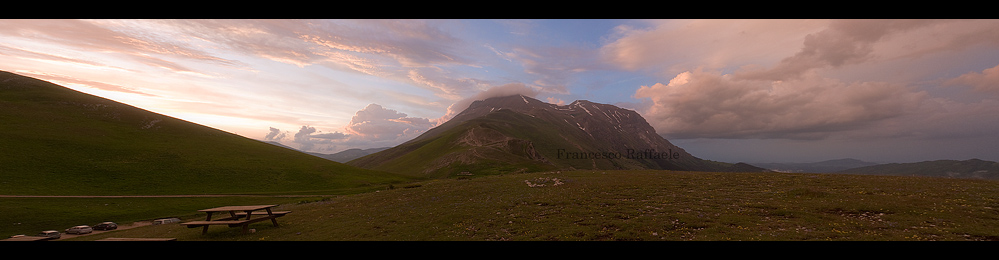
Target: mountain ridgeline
x=521 y=134
x=969 y=169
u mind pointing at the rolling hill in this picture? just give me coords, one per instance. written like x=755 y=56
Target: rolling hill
x=58 y=141
x=522 y=134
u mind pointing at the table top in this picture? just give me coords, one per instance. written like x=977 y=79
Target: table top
x=237 y=208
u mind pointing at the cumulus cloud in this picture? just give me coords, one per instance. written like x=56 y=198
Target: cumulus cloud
x=377 y=123
x=844 y=42
x=710 y=104
x=274 y=135
x=371 y=127
x=807 y=79
x=678 y=45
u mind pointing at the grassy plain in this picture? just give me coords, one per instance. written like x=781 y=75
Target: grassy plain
x=633 y=206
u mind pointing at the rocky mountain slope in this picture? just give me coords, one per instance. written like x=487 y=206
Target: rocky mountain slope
x=519 y=133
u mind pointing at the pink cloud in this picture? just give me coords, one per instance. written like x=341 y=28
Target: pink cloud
x=377 y=123
x=556 y=101
x=677 y=45
x=844 y=42
x=986 y=81
x=497 y=91
x=709 y=104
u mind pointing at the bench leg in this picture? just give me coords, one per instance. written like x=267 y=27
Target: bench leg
x=204 y=230
x=274 y=220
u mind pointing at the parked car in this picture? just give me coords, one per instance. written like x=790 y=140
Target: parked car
x=165 y=221
x=82 y=229
x=106 y=226
x=50 y=234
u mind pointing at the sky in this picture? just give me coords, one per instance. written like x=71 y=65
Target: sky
x=729 y=90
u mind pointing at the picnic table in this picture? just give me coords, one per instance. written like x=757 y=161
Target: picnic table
x=236 y=216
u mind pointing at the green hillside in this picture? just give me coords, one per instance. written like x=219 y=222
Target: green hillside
x=58 y=141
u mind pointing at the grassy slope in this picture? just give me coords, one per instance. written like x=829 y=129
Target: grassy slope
x=58 y=141
x=639 y=205
x=411 y=158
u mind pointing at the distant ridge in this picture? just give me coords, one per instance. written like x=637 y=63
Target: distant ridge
x=341 y=157
x=972 y=168
x=58 y=141
x=815 y=167
x=520 y=133
x=349 y=154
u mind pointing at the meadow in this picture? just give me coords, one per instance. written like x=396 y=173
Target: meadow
x=635 y=205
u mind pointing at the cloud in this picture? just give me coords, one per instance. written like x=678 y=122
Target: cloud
x=377 y=123
x=443 y=85
x=497 y=91
x=418 y=52
x=987 y=81
x=68 y=80
x=783 y=48
x=808 y=79
x=556 y=101
x=844 y=42
x=554 y=67
x=675 y=46
x=371 y=127
x=706 y=104
x=274 y=135
x=311 y=139
x=111 y=36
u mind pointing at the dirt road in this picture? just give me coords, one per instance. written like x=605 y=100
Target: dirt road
x=120 y=227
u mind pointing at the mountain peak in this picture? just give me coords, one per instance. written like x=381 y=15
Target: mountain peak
x=525 y=130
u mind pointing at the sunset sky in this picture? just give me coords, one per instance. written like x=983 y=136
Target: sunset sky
x=724 y=90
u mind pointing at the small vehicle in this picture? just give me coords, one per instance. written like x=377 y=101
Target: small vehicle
x=165 y=221
x=106 y=226
x=50 y=234
x=83 y=229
